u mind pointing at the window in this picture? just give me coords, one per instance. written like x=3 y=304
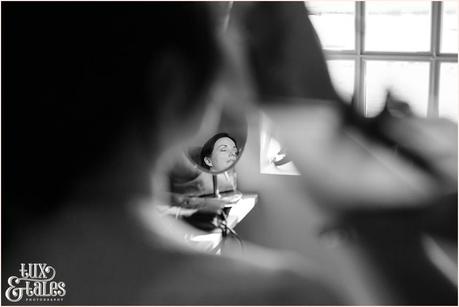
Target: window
x=274 y=158
x=334 y=22
x=407 y=47
x=407 y=81
x=342 y=75
x=449 y=27
x=447 y=102
x=397 y=26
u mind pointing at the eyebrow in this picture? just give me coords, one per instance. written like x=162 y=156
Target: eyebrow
x=224 y=145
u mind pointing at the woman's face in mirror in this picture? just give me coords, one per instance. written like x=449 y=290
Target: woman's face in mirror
x=223 y=156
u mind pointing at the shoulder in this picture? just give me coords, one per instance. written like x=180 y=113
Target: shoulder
x=212 y=280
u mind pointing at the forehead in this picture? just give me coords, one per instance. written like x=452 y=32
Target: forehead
x=224 y=141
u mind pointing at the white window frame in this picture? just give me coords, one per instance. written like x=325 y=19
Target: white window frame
x=434 y=57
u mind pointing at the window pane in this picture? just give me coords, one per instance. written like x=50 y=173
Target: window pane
x=334 y=23
x=342 y=75
x=447 y=101
x=408 y=81
x=449 y=27
x=397 y=26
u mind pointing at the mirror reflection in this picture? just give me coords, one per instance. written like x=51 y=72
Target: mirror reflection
x=219 y=152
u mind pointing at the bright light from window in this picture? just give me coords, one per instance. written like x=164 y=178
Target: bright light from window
x=334 y=22
x=448 y=43
x=397 y=26
x=342 y=74
x=447 y=101
x=408 y=81
x=273 y=156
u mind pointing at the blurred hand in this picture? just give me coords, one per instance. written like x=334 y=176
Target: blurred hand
x=434 y=141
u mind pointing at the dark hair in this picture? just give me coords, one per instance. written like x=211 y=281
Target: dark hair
x=297 y=65
x=96 y=68
x=208 y=147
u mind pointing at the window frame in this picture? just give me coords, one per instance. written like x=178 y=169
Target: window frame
x=434 y=57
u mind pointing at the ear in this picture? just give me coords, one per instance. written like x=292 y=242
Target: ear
x=208 y=161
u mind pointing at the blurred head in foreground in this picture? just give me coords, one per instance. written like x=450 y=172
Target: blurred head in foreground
x=95 y=95
x=101 y=82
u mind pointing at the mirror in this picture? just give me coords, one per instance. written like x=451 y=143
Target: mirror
x=216 y=152
x=203 y=180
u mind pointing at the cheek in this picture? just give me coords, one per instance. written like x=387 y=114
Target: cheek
x=218 y=158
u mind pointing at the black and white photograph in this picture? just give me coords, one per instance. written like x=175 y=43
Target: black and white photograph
x=229 y=153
